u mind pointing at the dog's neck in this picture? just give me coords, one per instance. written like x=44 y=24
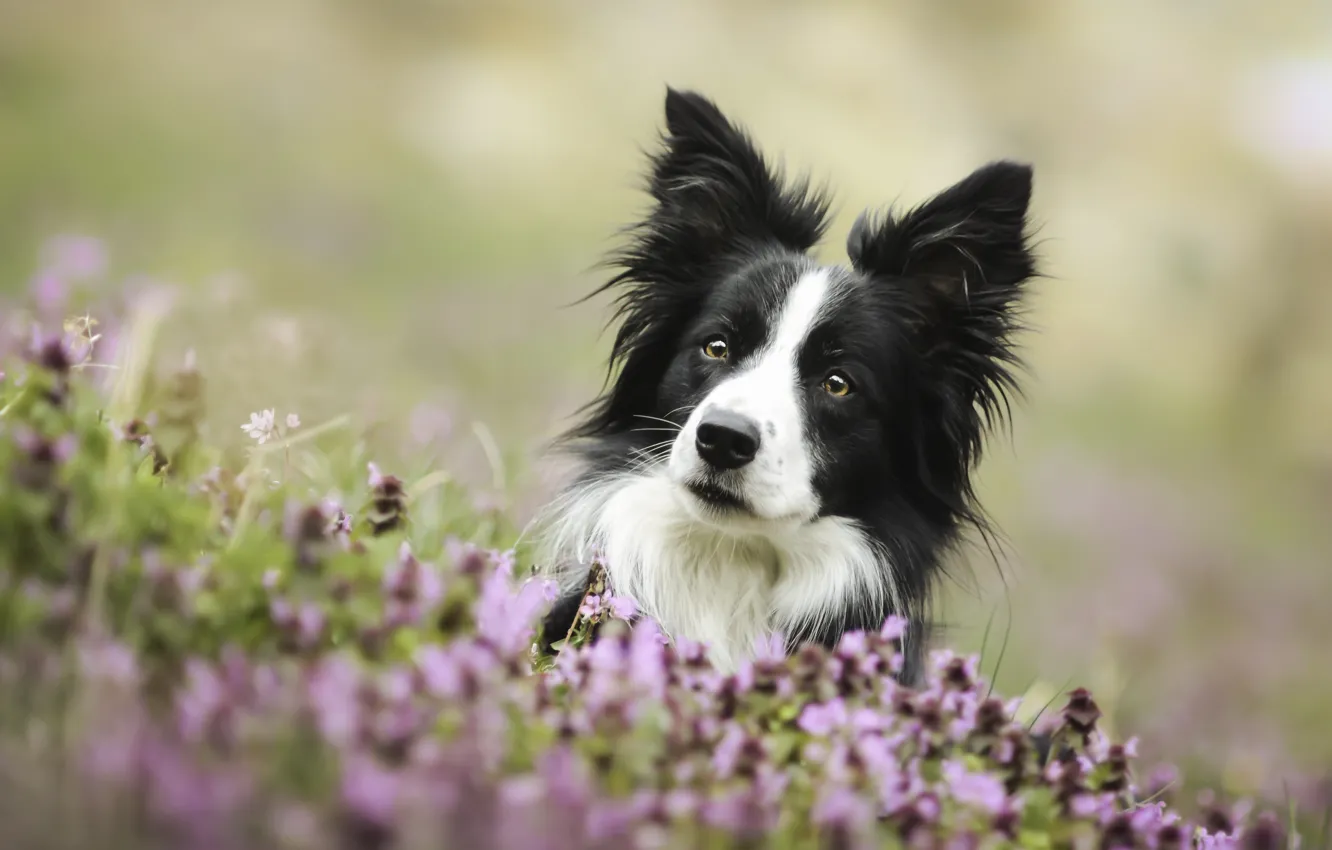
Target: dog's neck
x=726 y=588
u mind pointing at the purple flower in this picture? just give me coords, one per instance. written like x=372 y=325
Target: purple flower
x=1098 y=807
x=375 y=478
x=738 y=812
x=621 y=607
x=341 y=524
x=395 y=730
x=728 y=750
x=456 y=670
x=51 y=293
x=200 y=701
x=853 y=645
x=109 y=661
x=613 y=818
x=115 y=753
x=75 y=257
x=955 y=672
x=1206 y=840
x=590 y=607
x=397 y=684
x=528 y=818
x=1265 y=833
x=525 y=790
x=309 y=624
x=647 y=659
x=188 y=794
x=822 y=719
x=680 y=803
x=281 y=612
x=331 y=692
x=879 y=755
x=1101 y=749
x=867 y=721
x=963 y=841
x=566 y=776
x=894 y=628
x=1152 y=817
x=770 y=648
x=506 y=618
x=370 y=792
x=907 y=793
x=457 y=550
x=915 y=813
x=412 y=587
x=842 y=814
x=504 y=560
x=440 y=670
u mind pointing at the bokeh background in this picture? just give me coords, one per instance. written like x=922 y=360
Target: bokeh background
x=385 y=209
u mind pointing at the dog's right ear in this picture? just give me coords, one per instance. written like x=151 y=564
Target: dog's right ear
x=715 y=191
x=716 y=203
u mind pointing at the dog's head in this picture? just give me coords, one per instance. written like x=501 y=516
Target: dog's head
x=773 y=390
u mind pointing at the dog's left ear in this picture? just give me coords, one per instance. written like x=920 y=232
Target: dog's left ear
x=966 y=245
x=958 y=263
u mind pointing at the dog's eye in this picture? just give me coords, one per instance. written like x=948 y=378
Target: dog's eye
x=837 y=384
x=715 y=348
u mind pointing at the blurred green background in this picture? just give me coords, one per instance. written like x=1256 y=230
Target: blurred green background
x=384 y=208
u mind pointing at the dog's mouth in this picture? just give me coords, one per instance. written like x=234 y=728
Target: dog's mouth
x=716 y=496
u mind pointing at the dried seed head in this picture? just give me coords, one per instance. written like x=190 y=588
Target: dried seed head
x=1081 y=713
x=388 y=503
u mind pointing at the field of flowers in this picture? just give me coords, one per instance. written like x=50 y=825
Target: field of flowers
x=291 y=647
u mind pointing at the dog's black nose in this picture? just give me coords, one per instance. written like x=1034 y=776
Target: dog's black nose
x=727 y=440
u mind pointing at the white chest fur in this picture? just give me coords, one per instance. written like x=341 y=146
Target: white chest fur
x=721 y=587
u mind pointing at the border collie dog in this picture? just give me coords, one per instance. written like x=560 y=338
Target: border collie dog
x=787 y=446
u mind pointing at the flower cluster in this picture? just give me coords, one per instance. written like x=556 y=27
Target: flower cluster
x=256 y=670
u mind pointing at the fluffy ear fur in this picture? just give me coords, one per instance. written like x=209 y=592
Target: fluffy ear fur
x=959 y=261
x=712 y=181
x=716 y=204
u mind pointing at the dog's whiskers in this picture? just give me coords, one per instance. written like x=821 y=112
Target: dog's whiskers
x=645 y=457
x=652 y=448
x=676 y=425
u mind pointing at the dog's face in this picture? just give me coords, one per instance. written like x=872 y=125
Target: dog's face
x=779 y=384
x=773 y=390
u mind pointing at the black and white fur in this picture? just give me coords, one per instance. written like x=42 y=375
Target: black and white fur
x=732 y=487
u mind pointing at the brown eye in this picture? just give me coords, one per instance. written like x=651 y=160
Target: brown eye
x=837 y=384
x=716 y=349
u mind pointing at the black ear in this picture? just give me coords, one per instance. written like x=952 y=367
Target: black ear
x=958 y=263
x=967 y=241
x=717 y=204
x=715 y=189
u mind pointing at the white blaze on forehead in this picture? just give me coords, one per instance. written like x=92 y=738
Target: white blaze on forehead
x=780 y=480
x=767 y=389
x=807 y=301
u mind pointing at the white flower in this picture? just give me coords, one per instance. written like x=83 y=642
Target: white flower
x=261 y=427
x=293 y=421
